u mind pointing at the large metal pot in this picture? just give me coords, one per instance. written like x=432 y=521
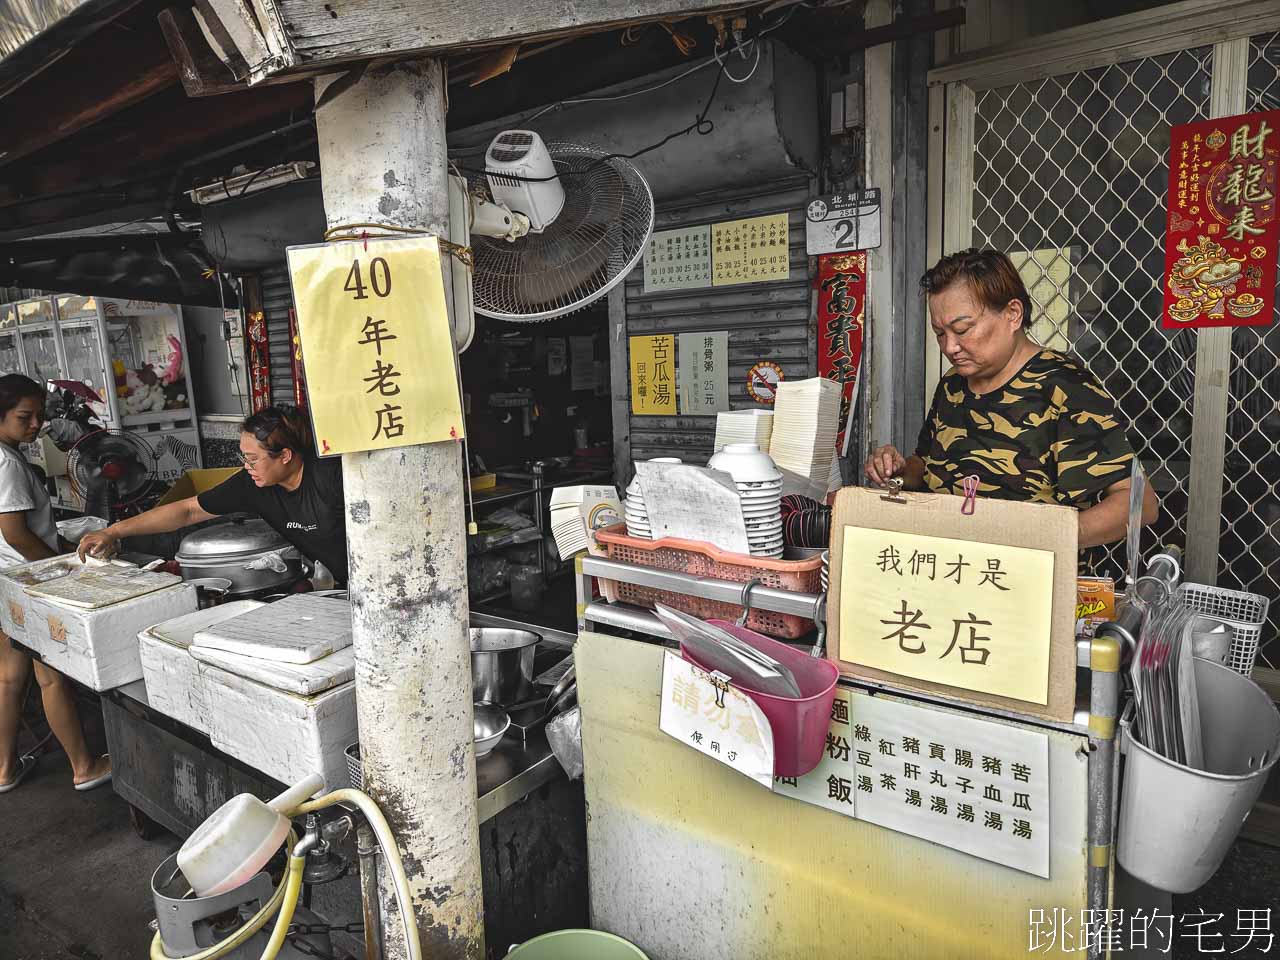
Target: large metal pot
x=501 y=664
x=227 y=550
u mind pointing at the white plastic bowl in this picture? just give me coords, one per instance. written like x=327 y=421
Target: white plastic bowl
x=745 y=463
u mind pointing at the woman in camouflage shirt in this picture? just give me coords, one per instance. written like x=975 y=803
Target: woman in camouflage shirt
x=1030 y=423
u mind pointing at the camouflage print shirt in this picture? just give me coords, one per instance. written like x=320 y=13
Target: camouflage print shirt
x=1051 y=434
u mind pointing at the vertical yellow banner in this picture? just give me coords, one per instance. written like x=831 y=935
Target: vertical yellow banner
x=376 y=343
x=653 y=375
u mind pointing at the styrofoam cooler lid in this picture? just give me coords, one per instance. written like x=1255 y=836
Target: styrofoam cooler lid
x=298 y=629
x=181 y=631
x=303 y=679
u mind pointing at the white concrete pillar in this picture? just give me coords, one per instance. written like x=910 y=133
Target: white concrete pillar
x=383 y=160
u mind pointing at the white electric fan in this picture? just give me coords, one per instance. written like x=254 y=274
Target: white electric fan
x=552 y=227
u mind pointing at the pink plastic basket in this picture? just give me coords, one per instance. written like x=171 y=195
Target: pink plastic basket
x=703 y=560
x=799 y=727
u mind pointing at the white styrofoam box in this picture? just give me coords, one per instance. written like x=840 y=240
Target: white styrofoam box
x=99 y=648
x=284 y=735
x=303 y=679
x=14 y=581
x=301 y=628
x=171 y=674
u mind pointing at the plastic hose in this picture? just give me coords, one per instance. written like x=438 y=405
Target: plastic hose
x=237 y=939
x=391 y=853
x=285 y=899
x=293 y=887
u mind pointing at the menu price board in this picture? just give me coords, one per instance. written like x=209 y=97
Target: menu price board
x=971 y=784
x=755 y=250
x=372 y=319
x=703 y=373
x=1221 y=239
x=678 y=259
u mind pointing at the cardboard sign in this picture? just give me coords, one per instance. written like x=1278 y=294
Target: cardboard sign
x=965 y=614
x=1047 y=539
x=653 y=376
x=376 y=343
x=1222 y=233
x=703 y=712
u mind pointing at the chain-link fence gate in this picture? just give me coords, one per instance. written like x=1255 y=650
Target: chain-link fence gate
x=1070 y=177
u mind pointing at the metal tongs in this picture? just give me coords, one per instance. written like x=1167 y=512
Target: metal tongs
x=721 y=651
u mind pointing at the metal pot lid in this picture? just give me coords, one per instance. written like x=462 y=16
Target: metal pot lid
x=230 y=541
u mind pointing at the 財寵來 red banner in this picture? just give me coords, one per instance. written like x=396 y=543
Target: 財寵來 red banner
x=1220 y=244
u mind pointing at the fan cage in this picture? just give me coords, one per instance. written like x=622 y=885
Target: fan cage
x=141 y=449
x=595 y=242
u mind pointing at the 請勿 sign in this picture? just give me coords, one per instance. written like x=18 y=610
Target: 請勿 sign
x=376 y=342
x=977 y=616
x=843 y=222
x=702 y=711
x=1222 y=233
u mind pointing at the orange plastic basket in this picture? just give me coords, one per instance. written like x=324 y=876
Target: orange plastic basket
x=703 y=560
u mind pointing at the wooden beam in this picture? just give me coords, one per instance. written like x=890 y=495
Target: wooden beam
x=202 y=71
x=336 y=31
x=149 y=136
x=65 y=101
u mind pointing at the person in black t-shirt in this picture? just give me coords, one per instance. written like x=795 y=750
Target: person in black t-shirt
x=283 y=482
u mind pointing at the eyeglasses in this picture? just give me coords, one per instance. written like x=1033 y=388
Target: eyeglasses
x=252 y=462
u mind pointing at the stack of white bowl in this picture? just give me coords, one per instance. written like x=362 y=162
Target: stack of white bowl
x=637 y=514
x=744 y=426
x=760 y=490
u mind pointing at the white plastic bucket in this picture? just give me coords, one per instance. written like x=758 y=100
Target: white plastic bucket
x=1176 y=823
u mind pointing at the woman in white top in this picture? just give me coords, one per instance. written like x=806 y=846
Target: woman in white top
x=27 y=532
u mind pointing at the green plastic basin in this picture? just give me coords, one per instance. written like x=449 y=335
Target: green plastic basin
x=577 y=945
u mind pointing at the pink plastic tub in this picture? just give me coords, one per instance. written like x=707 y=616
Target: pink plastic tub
x=800 y=727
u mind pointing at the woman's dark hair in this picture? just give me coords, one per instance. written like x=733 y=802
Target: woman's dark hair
x=15 y=387
x=280 y=428
x=990 y=274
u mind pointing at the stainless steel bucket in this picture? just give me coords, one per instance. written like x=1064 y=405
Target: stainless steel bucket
x=1176 y=823
x=501 y=664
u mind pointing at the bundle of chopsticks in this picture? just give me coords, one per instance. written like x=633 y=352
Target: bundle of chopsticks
x=1167 y=715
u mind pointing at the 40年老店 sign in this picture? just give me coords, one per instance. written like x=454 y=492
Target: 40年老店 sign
x=376 y=342
x=1220 y=245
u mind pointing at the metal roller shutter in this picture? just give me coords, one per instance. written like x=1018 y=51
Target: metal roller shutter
x=766 y=321
x=277 y=301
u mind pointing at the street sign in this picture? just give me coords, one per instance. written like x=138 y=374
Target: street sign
x=843 y=222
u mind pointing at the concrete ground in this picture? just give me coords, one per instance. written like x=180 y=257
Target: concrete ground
x=74 y=875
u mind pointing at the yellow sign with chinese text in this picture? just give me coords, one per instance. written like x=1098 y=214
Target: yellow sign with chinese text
x=376 y=344
x=972 y=615
x=755 y=250
x=653 y=375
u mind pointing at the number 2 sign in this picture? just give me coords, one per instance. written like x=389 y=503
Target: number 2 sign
x=843 y=222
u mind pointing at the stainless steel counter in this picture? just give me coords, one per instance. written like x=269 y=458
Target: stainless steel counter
x=506 y=776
